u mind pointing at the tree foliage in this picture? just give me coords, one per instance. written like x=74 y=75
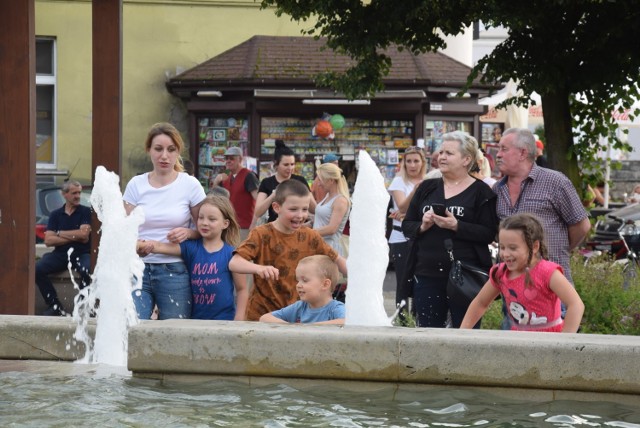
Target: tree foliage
x=557 y=48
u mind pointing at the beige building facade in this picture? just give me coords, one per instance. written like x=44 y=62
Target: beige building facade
x=160 y=39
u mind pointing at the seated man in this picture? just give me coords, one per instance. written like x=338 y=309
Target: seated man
x=69 y=227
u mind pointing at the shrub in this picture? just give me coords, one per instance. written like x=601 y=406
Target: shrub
x=611 y=299
x=492 y=319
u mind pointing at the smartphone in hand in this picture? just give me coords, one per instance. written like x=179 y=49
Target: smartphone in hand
x=439 y=209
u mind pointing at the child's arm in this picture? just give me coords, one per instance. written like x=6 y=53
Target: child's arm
x=342 y=265
x=159 y=248
x=569 y=296
x=239 y=265
x=270 y=318
x=479 y=305
x=263 y=202
x=144 y=248
x=242 y=296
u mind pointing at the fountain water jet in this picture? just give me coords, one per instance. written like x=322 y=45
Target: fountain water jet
x=117 y=266
x=368 y=247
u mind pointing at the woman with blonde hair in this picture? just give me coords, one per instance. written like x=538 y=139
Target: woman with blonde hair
x=332 y=212
x=482 y=171
x=171 y=201
x=413 y=169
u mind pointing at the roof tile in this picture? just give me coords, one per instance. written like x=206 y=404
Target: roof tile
x=301 y=58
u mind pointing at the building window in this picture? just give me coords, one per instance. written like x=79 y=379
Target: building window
x=45 y=102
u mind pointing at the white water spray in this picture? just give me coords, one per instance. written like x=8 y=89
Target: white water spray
x=113 y=275
x=368 y=247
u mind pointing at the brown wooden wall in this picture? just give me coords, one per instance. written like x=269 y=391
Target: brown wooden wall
x=17 y=156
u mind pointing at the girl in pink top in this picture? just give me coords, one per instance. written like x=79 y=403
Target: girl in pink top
x=531 y=286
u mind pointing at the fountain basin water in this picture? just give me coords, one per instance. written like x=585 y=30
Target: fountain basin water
x=107 y=396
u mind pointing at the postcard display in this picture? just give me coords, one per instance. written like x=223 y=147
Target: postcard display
x=491 y=133
x=435 y=129
x=384 y=140
x=215 y=135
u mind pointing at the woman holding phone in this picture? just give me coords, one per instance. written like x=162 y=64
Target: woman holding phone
x=456 y=206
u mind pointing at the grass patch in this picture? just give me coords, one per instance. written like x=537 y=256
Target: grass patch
x=492 y=319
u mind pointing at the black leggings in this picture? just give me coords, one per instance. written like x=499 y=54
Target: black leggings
x=432 y=305
x=399 y=254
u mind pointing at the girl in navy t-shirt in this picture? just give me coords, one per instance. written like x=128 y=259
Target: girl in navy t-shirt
x=207 y=258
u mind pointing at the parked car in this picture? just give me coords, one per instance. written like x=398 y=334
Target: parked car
x=621 y=222
x=48 y=199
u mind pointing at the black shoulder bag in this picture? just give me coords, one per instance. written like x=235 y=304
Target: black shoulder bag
x=465 y=281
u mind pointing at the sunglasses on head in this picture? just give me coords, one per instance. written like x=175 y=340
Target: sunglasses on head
x=414 y=149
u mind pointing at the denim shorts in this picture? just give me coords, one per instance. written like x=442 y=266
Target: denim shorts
x=167 y=286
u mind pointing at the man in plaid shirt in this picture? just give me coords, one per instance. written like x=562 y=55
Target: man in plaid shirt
x=548 y=194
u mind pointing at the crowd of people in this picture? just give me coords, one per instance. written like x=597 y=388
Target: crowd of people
x=248 y=251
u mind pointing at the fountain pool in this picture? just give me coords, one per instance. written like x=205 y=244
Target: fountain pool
x=47 y=394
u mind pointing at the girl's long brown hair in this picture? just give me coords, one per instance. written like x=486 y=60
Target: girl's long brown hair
x=531 y=228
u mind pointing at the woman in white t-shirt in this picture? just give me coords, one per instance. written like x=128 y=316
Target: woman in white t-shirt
x=170 y=199
x=412 y=171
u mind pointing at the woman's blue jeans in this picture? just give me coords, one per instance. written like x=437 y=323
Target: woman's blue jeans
x=167 y=286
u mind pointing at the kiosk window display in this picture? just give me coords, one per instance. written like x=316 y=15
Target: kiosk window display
x=384 y=140
x=215 y=135
x=435 y=128
x=491 y=133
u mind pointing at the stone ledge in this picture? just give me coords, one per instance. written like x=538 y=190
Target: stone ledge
x=573 y=362
x=40 y=338
x=561 y=363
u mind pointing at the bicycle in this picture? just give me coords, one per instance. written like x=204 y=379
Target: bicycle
x=631 y=269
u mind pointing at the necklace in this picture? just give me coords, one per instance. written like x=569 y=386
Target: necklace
x=453 y=184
